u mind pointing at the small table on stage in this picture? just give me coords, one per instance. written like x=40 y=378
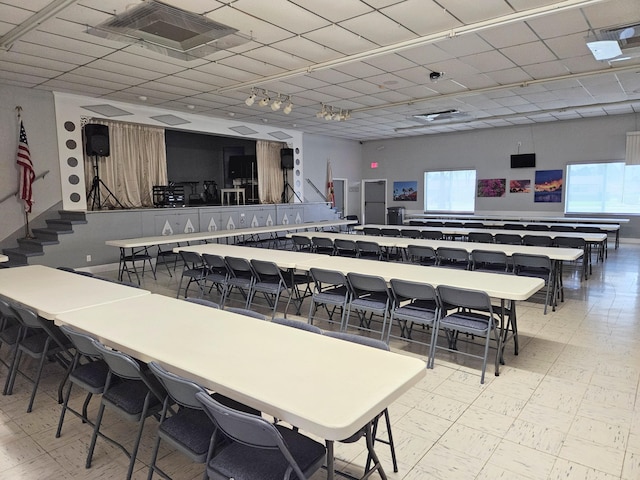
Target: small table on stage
x=226 y=192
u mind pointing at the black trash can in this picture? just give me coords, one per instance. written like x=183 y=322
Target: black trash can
x=395 y=215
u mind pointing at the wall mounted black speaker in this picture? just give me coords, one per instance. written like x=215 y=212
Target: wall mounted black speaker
x=523 y=160
x=96 y=140
x=286 y=158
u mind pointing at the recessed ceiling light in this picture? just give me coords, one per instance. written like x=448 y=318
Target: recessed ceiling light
x=142 y=97
x=231 y=114
x=191 y=107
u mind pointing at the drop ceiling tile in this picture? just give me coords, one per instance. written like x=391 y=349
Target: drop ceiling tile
x=432 y=17
x=77 y=88
x=122 y=69
x=559 y=24
x=528 y=54
x=378 y=29
x=15 y=15
x=391 y=96
x=585 y=63
x=425 y=54
x=143 y=61
x=277 y=57
x=83 y=15
x=262 y=31
x=42 y=50
x=87 y=44
x=15 y=78
x=340 y=39
x=226 y=71
x=337 y=91
x=151 y=93
x=603 y=15
x=568 y=46
x=331 y=77
x=488 y=61
x=453 y=68
x=546 y=70
x=254 y=67
x=507 y=35
x=359 y=70
x=282 y=12
x=338 y=12
x=464 y=45
x=306 y=49
x=93 y=81
x=55 y=67
x=43 y=73
x=390 y=63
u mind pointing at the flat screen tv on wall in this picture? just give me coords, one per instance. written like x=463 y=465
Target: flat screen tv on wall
x=523 y=160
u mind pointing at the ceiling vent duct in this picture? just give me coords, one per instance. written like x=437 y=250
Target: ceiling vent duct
x=444 y=115
x=169 y=31
x=615 y=44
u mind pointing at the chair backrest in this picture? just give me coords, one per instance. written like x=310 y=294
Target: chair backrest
x=120 y=364
x=267 y=271
x=417 y=223
x=202 y=301
x=215 y=263
x=245 y=428
x=562 y=228
x=539 y=227
x=570 y=242
x=419 y=252
x=405 y=290
x=301 y=243
x=246 y=312
x=512 y=226
x=465 y=298
x=590 y=230
x=410 y=233
x=82 y=342
x=525 y=260
x=66 y=269
x=353 y=338
x=192 y=260
x=345 y=246
x=181 y=390
x=450 y=254
x=368 y=247
x=480 y=237
x=480 y=257
x=323 y=244
x=372 y=231
x=391 y=232
x=239 y=267
x=327 y=277
x=360 y=283
x=288 y=322
x=508 y=238
x=6 y=311
x=537 y=240
x=28 y=317
x=431 y=234
x=435 y=223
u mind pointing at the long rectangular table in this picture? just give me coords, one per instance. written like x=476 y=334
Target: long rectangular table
x=327 y=387
x=137 y=249
x=532 y=218
x=49 y=291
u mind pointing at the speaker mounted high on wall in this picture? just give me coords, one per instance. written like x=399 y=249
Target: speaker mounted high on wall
x=96 y=140
x=286 y=158
x=523 y=160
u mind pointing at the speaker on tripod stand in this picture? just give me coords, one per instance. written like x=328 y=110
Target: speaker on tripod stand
x=286 y=163
x=96 y=146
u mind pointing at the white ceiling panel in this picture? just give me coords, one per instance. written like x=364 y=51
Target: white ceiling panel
x=362 y=55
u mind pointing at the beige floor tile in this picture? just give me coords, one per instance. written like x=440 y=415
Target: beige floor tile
x=469 y=441
x=447 y=464
x=522 y=460
x=596 y=431
x=535 y=436
x=596 y=456
x=486 y=421
x=423 y=424
x=566 y=470
x=631 y=467
x=548 y=417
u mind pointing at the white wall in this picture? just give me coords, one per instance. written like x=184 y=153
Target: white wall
x=345 y=157
x=39 y=121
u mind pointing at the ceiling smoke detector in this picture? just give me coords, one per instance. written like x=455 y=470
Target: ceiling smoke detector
x=170 y=31
x=435 y=76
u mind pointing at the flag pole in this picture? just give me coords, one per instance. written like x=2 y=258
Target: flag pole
x=27 y=231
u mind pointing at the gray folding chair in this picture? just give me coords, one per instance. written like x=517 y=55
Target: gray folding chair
x=166 y=256
x=480 y=237
x=453 y=257
x=579 y=243
x=270 y=282
x=39 y=340
x=323 y=245
x=474 y=316
x=288 y=322
x=537 y=240
x=372 y=231
x=189 y=430
x=302 y=243
x=241 y=278
x=379 y=344
x=508 y=238
x=330 y=290
x=422 y=255
x=216 y=273
x=369 y=296
x=259 y=450
x=194 y=270
x=202 y=301
x=410 y=233
x=538 y=266
x=369 y=250
x=130 y=392
x=87 y=370
x=432 y=234
x=390 y=232
x=345 y=248
x=414 y=304
x=489 y=261
x=9 y=330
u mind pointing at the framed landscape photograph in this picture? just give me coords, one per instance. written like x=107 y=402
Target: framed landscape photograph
x=405 y=191
x=548 y=186
x=491 y=187
x=520 y=186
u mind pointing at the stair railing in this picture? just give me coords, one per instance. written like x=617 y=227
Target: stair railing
x=39 y=176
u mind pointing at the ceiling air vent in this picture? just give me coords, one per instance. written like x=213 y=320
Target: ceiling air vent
x=615 y=44
x=170 y=31
x=444 y=115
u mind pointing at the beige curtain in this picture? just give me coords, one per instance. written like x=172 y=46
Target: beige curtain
x=270 y=175
x=137 y=162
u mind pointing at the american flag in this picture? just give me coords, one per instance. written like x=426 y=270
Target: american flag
x=27 y=175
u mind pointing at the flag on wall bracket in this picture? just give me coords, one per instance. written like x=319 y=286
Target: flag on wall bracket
x=26 y=173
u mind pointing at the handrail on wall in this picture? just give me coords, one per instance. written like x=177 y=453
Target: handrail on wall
x=39 y=176
x=322 y=195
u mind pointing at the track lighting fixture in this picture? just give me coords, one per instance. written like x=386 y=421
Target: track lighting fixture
x=265 y=100
x=333 y=113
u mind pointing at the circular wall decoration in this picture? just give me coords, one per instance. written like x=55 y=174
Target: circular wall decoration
x=71 y=144
x=74 y=197
x=74 y=179
x=72 y=162
x=298 y=183
x=297 y=161
x=297 y=150
x=69 y=126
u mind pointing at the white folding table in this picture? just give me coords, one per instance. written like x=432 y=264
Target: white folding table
x=327 y=387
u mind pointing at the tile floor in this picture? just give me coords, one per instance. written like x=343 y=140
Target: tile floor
x=567 y=407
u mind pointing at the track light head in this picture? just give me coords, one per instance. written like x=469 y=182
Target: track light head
x=287 y=108
x=250 y=99
x=264 y=101
x=277 y=103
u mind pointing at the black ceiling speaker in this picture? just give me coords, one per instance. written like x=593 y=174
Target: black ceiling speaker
x=96 y=140
x=286 y=158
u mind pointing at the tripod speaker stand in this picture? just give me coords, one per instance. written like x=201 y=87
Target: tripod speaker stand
x=96 y=183
x=288 y=192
